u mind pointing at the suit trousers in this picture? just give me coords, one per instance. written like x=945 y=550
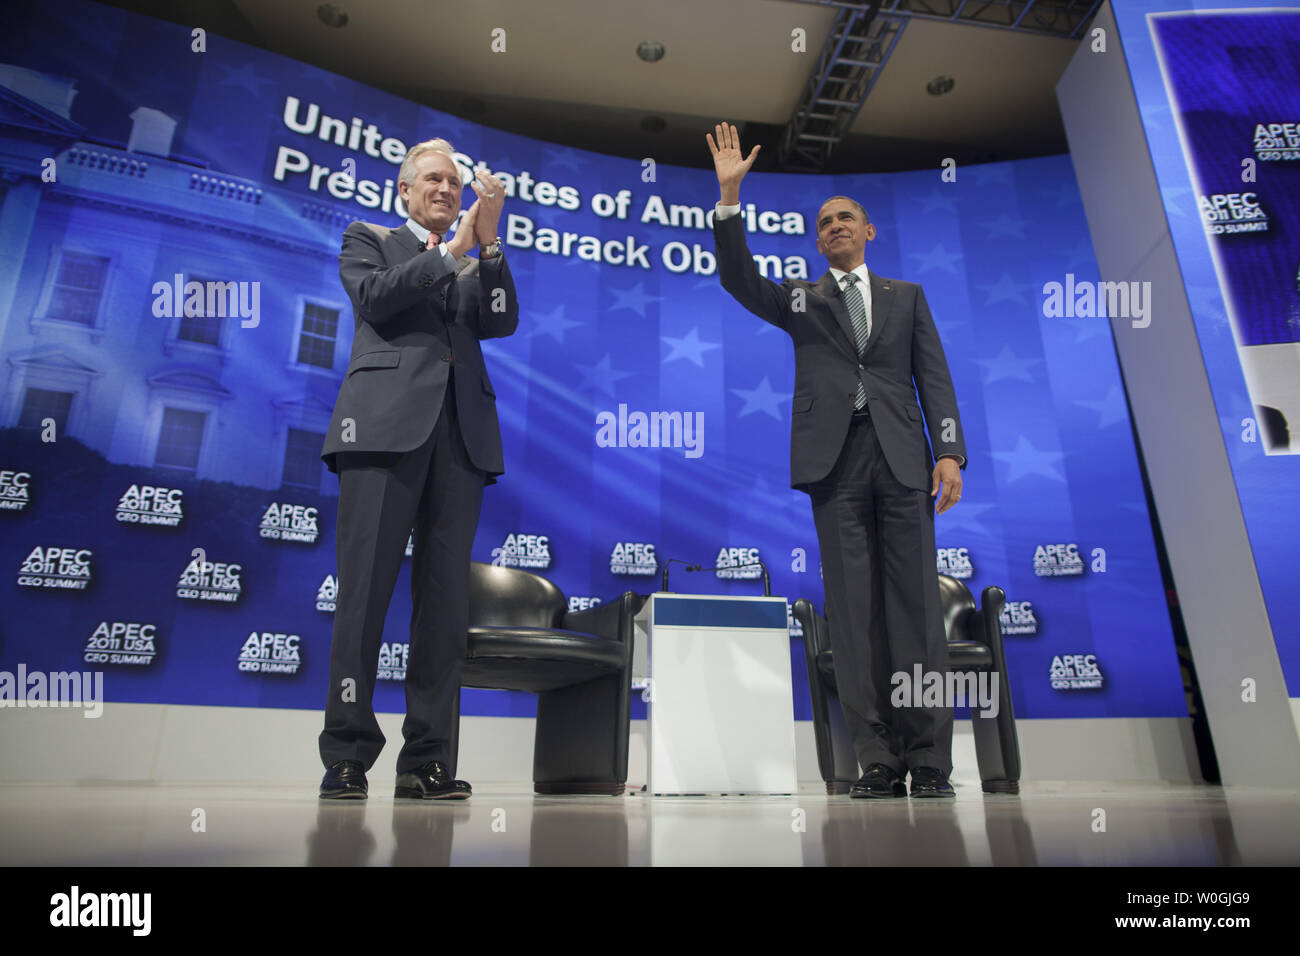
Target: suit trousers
x=436 y=494
x=876 y=538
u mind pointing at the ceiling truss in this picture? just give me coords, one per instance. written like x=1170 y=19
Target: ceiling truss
x=861 y=40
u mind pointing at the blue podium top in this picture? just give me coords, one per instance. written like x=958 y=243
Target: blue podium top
x=674 y=610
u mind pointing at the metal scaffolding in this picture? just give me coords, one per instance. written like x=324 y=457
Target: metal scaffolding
x=863 y=37
x=1057 y=18
x=860 y=42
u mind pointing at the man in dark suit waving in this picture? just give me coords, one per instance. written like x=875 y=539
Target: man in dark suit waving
x=865 y=347
x=414 y=439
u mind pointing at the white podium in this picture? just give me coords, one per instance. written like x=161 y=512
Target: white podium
x=720 y=701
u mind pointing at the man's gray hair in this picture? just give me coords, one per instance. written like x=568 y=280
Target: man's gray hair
x=407 y=171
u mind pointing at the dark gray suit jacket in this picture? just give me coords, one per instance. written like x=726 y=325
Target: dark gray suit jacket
x=903 y=358
x=410 y=306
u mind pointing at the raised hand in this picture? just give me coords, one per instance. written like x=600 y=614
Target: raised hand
x=730 y=163
x=491 y=197
x=463 y=240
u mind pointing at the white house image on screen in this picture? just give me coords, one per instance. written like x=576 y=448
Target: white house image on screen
x=200 y=395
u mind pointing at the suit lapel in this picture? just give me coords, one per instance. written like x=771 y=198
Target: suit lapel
x=406 y=241
x=882 y=304
x=830 y=291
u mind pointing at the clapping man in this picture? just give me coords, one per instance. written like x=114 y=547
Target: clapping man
x=414 y=439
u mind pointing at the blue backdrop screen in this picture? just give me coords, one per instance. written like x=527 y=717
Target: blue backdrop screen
x=1218 y=91
x=178 y=532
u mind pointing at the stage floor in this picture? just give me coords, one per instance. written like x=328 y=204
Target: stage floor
x=1049 y=824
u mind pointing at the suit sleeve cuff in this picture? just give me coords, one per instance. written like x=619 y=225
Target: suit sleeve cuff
x=436 y=268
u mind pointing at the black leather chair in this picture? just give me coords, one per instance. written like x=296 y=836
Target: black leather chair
x=522 y=636
x=974 y=644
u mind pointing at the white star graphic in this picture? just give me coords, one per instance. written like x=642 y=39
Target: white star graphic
x=937 y=258
x=634 y=299
x=689 y=347
x=601 y=376
x=552 y=323
x=1025 y=459
x=966 y=514
x=1006 y=365
x=1006 y=290
x=1111 y=409
x=760 y=399
x=1005 y=225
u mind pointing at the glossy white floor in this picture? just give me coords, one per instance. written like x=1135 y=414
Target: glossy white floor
x=1049 y=824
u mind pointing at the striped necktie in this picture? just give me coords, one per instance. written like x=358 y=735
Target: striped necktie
x=861 y=328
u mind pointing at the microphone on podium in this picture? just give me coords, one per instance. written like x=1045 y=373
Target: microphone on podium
x=767 y=580
x=663 y=584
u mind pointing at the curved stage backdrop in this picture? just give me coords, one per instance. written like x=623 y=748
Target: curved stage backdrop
x=1218 y=90
x=174 y=333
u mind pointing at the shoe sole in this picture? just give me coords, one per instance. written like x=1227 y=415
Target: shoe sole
x=875 y=796
x=413 y=793
x=342 y=795
x=929 y=794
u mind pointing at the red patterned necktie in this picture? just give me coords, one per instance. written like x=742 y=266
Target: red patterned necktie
x=432 y=241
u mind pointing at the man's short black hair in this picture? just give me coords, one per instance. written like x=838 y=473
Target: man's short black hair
x=849 y=199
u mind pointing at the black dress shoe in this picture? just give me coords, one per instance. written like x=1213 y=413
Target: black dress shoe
x=430 y=782
x=928 y=782
x=345 y=780
x=879 y=781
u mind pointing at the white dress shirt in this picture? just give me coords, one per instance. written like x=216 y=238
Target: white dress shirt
x=423 y=235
